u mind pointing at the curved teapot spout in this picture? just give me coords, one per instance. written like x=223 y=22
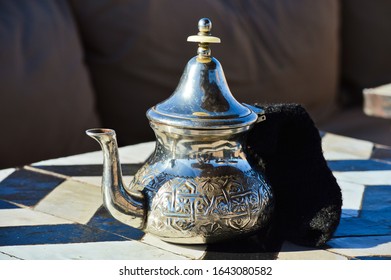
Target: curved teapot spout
x=123 y=205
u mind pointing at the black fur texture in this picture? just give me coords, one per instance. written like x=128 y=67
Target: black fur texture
x=308 y=198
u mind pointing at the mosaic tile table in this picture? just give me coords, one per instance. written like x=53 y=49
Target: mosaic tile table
x=53 y=210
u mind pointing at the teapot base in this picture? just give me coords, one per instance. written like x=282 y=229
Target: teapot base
x=200 y=210
x=203 y=240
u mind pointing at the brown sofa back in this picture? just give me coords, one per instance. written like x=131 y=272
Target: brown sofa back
x=46 y=99
x=271 y=51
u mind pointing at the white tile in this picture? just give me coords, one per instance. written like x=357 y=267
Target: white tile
x=72 y=200
x=352 y=195
x=362 y=246
x=290 y=251
x=92 y=180
x=97 y=180
x=365 y=177
x=28 y=217
x=129 y=154
x=87 y=158
x=116 y=250
x=5 y=173
x=138 y=153
x=191 y=251
x=337 y=147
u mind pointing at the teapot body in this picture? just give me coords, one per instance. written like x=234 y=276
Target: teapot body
x=200 y=188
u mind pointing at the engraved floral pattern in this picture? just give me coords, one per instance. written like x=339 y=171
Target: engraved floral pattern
x=190 y=206
x=208 y=185
x=239 y=204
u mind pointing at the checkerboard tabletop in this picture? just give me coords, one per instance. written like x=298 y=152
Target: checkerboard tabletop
x=53 y=210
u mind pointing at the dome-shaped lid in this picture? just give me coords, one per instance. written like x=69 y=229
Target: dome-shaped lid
x=202 y=99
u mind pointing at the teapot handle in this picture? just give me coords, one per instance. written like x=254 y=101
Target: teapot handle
x=259 y=111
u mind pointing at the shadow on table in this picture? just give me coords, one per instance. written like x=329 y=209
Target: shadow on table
x=369 y=229
x=255 y=247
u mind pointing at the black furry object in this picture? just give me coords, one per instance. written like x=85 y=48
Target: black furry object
x=308 y=199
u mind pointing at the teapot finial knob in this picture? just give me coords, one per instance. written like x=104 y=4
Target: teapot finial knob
x=204 y=26
x=204 y=38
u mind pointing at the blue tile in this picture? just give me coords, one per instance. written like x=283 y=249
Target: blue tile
x=359 y=242
x=360 y=227
x=53 y=234
x=27 y=187
x=374 y=217
x=103 y=220
x=358 y=165
x=376 y=204
x=373 y=258
x=7 y=205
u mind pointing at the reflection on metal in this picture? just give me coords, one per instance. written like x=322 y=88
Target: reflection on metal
x=198 y=186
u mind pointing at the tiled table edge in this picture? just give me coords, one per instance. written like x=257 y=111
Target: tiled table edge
x=369 y=147
x=181 y=252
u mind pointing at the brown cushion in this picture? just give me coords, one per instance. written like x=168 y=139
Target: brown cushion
x=271 y=51
x=46 y=101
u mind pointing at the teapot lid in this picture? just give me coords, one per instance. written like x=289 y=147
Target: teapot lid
x=202 y=99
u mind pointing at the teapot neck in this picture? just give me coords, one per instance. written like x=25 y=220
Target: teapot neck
x=196 y=144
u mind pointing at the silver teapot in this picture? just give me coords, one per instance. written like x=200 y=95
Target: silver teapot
x=198 y=186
